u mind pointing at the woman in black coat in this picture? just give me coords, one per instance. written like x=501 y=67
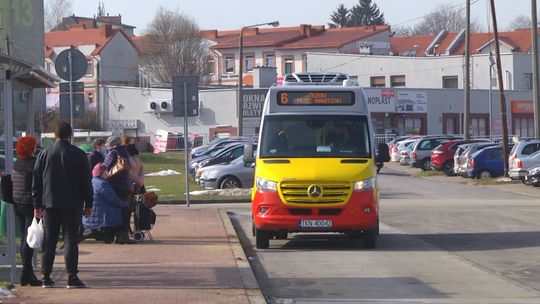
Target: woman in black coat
x=22 y=197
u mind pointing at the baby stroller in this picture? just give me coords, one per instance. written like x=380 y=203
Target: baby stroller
x=144 y=218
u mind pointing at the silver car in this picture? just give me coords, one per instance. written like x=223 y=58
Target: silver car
x=235 y=174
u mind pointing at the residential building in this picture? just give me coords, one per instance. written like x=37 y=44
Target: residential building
x=92 y=23
x=111 y=54
x=286 y=48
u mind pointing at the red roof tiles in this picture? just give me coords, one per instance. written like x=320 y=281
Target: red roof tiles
x=79 y=35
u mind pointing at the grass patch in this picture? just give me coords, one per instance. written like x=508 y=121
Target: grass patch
x=429 y=173
x=173 y=187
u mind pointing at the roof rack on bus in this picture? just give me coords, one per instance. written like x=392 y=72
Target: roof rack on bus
x=316 y=79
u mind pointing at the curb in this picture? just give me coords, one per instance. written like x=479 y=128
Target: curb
x=253 y=291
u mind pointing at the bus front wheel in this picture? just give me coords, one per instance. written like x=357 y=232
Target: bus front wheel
x=262 y=238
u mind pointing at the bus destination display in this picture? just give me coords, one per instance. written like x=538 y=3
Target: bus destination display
x=315 y=98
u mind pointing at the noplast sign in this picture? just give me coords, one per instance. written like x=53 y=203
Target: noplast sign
x=381 y=100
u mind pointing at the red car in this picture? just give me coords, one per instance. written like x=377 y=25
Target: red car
x=442 y=157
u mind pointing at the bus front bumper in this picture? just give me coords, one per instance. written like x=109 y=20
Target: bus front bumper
x=360 y=213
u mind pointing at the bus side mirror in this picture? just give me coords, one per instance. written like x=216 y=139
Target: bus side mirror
x=384 y=154
x=248 y=153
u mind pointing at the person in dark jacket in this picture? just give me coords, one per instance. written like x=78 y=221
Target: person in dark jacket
x=62 y=191
x=107 y=207
x=22 y=176
x=95 y=157
x=121 y=184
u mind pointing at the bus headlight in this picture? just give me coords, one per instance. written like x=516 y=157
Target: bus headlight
x=266 y=185
x=364 y=185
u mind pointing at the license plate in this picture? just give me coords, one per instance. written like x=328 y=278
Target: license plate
x=315 y=223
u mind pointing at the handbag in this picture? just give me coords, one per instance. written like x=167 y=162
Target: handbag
x=121 y=165
x=150 y=199
x=6 y=188
x=34 y=238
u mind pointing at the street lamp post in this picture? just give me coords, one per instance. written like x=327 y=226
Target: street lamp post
x=491 y=64
x=241 y=72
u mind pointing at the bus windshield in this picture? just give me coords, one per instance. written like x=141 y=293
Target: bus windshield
x=315 y=136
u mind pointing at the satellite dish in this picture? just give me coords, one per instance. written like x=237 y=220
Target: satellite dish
x=79 y=65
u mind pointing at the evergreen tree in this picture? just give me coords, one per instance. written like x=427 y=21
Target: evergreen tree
x=340 y=17
x=365 y=13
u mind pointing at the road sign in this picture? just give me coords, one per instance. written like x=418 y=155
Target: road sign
x=77 y=87
x=79 y=65
x=192 y=84
x=78 y=106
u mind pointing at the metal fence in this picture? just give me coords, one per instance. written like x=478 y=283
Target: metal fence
x=175 y=142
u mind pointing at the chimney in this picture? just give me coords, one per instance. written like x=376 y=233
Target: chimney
x=306 y=30
x=209 y=34
x=107 y=30
x=252 y=31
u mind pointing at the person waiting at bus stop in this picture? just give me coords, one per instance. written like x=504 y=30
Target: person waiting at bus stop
x=22 y=197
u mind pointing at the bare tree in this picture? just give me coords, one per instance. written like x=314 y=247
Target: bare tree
x=173 y=47
x=101 y=9
x=402 y=31
x=55 y=10
x=520 y=22
x=444 y=17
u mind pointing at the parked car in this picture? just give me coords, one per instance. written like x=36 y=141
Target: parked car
x=236 y=174
x=396 y=151
x=391 y=144
x=461 y=158
x=517 y=169
x=442 y=157
x=405 y=157
x=194 y=164
x=226 y=156
x=486 y=163
x=533 y=177
x=218 y=144
x=421 y=152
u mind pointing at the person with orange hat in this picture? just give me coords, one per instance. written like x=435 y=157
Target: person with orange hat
x=22 y=198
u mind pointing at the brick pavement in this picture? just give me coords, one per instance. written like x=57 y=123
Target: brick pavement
x=194 y=258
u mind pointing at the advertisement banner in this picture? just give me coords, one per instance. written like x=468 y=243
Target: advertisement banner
x=411 y=102
x=160 y=141
x=522 y=107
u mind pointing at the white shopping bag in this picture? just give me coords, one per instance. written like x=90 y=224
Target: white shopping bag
x=35 y=234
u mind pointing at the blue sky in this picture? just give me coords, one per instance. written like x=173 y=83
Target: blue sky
x=233 y=14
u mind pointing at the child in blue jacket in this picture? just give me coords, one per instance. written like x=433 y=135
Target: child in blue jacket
x=107 y=210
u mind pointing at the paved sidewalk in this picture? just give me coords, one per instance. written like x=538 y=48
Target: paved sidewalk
x=195 y=258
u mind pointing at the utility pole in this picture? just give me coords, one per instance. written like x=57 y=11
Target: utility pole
x=534 y=34
x=467 y=80
x=501 y=89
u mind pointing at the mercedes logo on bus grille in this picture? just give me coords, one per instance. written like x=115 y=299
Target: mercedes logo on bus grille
x=314 y=191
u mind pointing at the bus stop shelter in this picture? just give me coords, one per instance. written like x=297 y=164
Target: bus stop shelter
x=18 y=83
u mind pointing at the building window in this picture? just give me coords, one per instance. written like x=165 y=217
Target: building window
x=249 y=61
x=288 y=65
x=451 y=123
x=210 y=66
x=269 y=60
x=478 y=127
x=229 y=64
x=377 y=82
x=304 y=63
x=90 y=68
x=450 y=82
x=523 y=126
x=397 y=81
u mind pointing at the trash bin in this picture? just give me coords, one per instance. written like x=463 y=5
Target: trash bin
x=3 y=221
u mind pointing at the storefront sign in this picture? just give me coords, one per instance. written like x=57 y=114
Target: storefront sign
x=253 y=102
x=522 y=107
x=411 y=102
x=381 y=100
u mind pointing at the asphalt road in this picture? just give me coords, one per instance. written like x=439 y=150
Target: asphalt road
x=440 y=242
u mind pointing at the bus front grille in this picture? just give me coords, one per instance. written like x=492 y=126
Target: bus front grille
x=330 y=192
